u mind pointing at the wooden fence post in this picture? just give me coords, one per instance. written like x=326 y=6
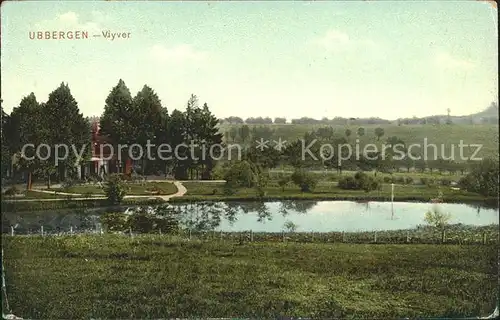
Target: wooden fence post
x=312 y=236
x=71 y=229
x=443 y=236
x=343 y=236
x=484 y=238
x=407 y=236
x=375 y=237
x=251 y=235
x=221 y=235
x=189 y=234
x=283 y=235
x=41 y=230
x=11 y=230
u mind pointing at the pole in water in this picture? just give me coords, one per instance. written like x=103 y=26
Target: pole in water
x=11 y=230
x=392 y=200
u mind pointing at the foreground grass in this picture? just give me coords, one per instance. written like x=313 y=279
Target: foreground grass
x=152 y=276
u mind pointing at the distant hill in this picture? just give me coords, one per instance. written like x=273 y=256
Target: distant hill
x=487 y=116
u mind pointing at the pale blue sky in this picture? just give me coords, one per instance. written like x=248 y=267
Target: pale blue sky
x=292 y=59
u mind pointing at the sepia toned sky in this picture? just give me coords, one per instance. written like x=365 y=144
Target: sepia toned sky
x=316 y=59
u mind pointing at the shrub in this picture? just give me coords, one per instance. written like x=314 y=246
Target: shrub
x=400 y=180
x=360 y=181
x=114 y=221
x=483 y=178
x=305 y=180
x=348 y=183
x=445 y=182
x=12 y=191
x=436 y=218
x=68 y=183
x=114 y=189
x=242 y=174
x=387 y=179
x=409 y=180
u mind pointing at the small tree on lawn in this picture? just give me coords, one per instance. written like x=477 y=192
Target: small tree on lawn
x=438 y=219
x=115 y=189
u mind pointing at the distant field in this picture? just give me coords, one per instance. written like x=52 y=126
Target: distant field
x=147 y=277
x=447 y=135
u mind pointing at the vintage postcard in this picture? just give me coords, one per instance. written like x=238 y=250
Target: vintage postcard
x=240 y=159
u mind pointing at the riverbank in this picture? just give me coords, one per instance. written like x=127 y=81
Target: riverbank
x=151 y=276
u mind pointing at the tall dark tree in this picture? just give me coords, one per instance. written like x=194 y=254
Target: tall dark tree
x=117 y=116
x=65 y=125
x=24 y=126
x=147 y=121
x=177 y=135
x=211 y=138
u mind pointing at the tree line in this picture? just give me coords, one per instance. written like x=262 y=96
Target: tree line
x=126 y=120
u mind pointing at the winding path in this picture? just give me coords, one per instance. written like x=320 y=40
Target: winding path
x=181 y=190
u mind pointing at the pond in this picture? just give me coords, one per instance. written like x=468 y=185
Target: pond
x=307 y=216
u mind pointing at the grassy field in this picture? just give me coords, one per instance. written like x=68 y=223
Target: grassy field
x=446 y=135
x=149 y=188
x=108 y=276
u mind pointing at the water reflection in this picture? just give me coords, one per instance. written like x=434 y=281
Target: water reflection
x=322 y=216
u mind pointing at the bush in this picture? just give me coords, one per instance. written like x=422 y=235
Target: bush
x=242 y=174
x=348 y=183
x=12 y=191
x=483 y=178
x=445 y=182
x=68 y=183
x=387 y=179
x=305 y=180
x=114 y=221
x=409 y=180
x=114 y=189
x=400 y=180
x=360 y=181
